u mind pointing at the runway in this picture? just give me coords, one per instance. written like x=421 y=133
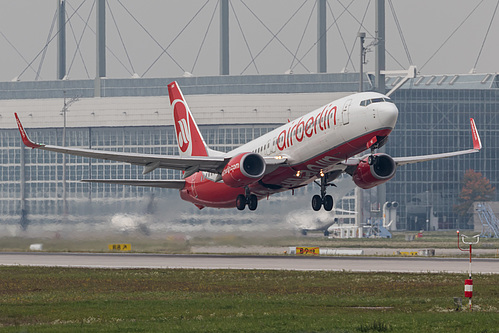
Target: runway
x=165 y=261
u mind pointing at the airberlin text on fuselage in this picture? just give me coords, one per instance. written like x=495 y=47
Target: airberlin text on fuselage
x=306 y=128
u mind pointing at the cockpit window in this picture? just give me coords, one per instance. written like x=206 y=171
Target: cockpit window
x=375 y=100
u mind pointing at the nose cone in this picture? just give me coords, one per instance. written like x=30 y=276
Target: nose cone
x=388 y=114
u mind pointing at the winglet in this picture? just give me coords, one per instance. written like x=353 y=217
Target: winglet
x=477 y=143
x=24 y=136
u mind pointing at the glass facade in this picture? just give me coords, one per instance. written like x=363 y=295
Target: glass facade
x=32 y=184
x=434 y=121
x=430 y=121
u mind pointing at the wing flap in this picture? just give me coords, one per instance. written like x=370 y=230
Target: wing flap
x=171 y=183
x=205 y=163
x=424 y=158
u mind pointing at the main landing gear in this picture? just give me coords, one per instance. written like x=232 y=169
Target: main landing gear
x=249 y=199
x=323 y=200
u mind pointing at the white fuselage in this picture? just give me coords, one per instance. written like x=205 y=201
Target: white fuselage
x=324 y=129
x=312 y=145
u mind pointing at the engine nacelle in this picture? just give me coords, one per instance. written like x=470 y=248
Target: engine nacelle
x=243 y=169
x=382 y=170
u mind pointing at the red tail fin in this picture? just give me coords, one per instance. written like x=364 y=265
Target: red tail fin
x=189 y=139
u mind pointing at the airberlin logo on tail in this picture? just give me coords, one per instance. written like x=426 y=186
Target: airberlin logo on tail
x=182 y=125
x=183 y=133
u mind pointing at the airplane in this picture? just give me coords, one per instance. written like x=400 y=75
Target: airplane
x=316 y=147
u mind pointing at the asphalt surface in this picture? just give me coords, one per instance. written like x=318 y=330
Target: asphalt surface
x=163 y=261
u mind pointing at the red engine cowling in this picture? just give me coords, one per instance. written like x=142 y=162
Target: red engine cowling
x=382 y=170
x=244 y=169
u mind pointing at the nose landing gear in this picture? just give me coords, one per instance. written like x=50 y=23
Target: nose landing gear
x=373 y=144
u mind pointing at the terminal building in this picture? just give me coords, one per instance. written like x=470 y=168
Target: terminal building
x=134 y=115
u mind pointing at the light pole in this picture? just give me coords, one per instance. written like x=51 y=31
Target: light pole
x=65 y=108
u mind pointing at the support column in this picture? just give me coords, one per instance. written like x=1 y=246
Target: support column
x=380 y=78
x=224 y=37
x=321 y=37
x=359 y=206
x=24 y=212
x=362 y=36
x=61 y=39
x=380 y=47
x=101 y=46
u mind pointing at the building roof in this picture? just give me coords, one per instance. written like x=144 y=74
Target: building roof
x=448 y=81
x=237 y=84
x=213 y=100
x=227 y=84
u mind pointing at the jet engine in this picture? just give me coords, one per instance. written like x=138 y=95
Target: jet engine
x=243 y=169
x=381 y=170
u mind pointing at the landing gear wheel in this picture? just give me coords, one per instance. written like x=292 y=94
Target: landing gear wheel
x=328 y=203
x=240 y=202
x=371 y=159
x=316 y=202
x=252 y=202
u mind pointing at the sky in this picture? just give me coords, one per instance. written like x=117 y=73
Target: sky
x=439 y=38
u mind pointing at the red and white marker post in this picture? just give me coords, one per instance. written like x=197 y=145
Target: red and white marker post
x=468 y=283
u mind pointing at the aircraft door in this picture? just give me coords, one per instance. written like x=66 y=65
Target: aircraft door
x=344 y=113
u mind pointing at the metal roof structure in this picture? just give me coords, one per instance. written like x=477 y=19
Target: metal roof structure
x=257 y=99
x=237 y=84
x=448 y=81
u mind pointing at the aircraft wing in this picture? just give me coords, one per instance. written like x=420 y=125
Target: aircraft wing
x=424 y=158
x=190 y=165
x=477 y=145
x=172 y=183
x=149 y=161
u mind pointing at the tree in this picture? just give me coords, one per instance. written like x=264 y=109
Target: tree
x=476 y=187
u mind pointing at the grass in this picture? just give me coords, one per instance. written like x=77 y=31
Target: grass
x=38 y=299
